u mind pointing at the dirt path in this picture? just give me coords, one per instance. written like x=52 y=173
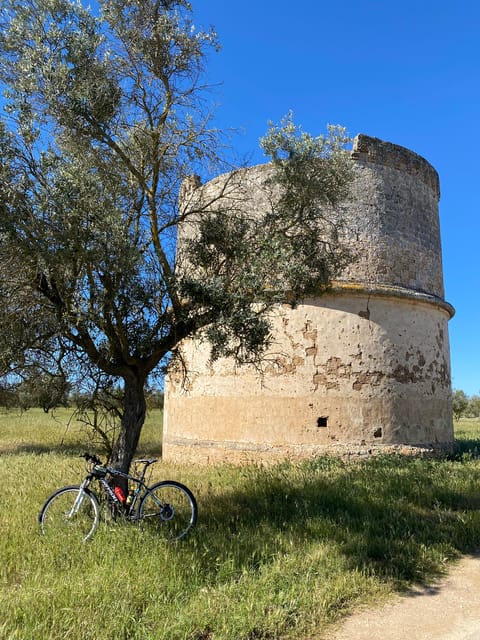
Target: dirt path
x=447 y=610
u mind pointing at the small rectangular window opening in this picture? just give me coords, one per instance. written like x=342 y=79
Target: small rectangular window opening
x=322 y=421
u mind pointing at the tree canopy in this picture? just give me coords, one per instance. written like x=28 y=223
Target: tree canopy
x=459 y=403
x=105 y=118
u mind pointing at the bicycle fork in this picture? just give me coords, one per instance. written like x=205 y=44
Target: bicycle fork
x=79 y=499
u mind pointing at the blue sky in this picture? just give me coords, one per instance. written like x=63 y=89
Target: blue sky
x=405 y=72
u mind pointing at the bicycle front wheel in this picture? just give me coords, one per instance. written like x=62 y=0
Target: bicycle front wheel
x=70 y=512
x=168 y=509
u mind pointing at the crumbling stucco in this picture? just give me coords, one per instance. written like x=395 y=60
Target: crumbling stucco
x=366 y=365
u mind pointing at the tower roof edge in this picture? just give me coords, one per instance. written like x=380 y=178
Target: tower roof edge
x=368 y=149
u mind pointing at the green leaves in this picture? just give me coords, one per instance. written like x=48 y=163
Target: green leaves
x=313 y=171
x=98 y=141
x=264 y=236
x=105 y=124
x=52 y=64
x=312 y=176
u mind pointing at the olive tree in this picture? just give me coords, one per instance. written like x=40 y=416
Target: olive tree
x=474 y=406
x=105 y=118
x=459 y=403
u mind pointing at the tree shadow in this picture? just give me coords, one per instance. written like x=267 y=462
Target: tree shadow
x=72 y=449
x=467 y=447
x=44 y=449
x=397 y=519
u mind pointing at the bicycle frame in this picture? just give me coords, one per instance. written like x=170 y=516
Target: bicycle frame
x=140 y=488
x=168 y=504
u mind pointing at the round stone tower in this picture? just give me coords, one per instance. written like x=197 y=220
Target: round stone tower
x=362 y=368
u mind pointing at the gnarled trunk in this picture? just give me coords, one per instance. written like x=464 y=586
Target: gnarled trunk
x=134 y=411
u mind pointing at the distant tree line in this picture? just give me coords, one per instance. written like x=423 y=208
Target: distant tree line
x=465 y=406
x=94 y=401
x=50 y=392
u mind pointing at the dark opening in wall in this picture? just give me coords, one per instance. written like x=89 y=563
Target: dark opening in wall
x=322 y=421
x=377 y=433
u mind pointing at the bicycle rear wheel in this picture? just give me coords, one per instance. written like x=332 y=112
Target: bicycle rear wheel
x=70 y=512
x=168 y=509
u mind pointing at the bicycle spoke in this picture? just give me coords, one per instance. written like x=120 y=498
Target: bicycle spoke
x=69 y=513
x=169 y=510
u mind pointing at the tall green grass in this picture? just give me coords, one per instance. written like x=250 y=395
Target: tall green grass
x=279 y=552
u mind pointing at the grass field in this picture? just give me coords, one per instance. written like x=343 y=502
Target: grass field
x=279 y=552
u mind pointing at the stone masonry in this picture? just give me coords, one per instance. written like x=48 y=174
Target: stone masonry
x=363 y=368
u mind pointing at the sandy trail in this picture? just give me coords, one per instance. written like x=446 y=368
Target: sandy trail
x=447 y=610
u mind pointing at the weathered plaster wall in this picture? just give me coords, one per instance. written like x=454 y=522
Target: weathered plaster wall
x=392 y=219
x=363 y=368
x=352 y=370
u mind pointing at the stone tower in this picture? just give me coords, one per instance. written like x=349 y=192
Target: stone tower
x=364 y=367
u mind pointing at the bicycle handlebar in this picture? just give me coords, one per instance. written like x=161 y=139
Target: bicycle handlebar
x=91 y=458
x=98 y=463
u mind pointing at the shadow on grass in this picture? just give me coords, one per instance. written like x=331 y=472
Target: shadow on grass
x=41 y=449
x=468 y=446
x=72 y=449
x=398 y=519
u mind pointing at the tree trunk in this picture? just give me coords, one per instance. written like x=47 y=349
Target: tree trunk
x=134 y=411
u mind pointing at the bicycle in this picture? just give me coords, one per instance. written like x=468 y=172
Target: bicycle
x=167 y=507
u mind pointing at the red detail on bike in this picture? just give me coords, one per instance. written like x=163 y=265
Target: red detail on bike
x=120 y=494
